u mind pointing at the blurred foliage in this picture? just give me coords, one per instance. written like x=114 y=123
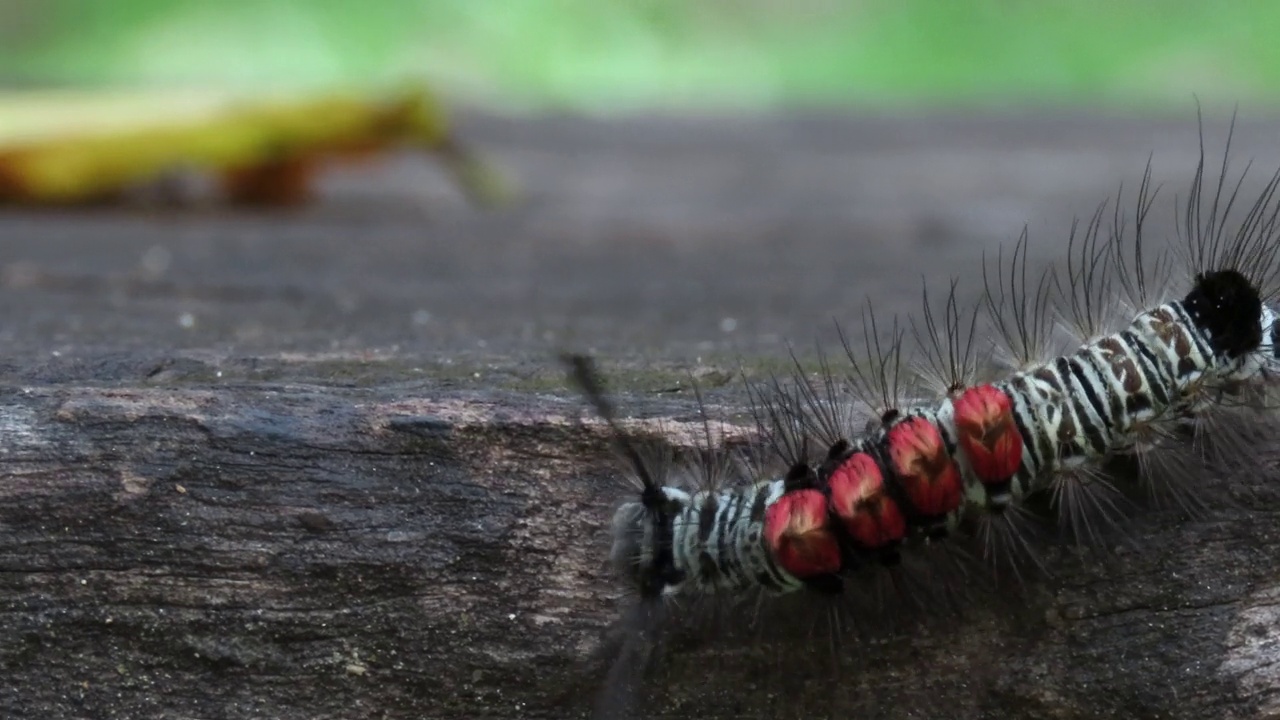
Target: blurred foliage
x=605 y=53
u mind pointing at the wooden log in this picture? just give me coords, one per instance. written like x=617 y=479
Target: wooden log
x=288 y=530
x=293 y=551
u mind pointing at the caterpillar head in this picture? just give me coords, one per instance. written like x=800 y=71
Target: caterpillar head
x=642 y=553
x=642 y=550
x=1228 y=308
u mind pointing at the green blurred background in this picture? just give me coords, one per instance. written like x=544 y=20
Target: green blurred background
x=587 y=54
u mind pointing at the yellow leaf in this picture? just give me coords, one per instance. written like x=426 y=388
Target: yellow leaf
x=63 y=147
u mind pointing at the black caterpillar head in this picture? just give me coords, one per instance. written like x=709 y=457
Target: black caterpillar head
x=1228 y=308
x=642 y=552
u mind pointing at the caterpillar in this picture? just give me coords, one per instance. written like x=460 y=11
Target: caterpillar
x=1139 y=409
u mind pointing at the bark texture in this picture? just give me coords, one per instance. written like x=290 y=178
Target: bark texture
x=303 y=552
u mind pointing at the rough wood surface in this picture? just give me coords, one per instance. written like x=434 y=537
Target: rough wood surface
x=323 y=466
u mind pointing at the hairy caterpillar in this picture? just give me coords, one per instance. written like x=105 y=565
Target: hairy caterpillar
x=1190 y=363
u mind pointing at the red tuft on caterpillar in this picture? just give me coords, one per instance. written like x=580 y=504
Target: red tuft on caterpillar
x=988 y=435
x=798 y=535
